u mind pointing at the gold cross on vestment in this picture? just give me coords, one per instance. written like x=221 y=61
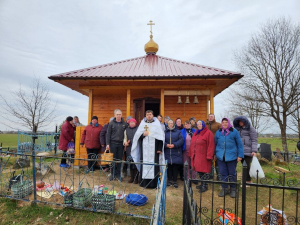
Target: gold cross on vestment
x=151 y=25
x=146 y=127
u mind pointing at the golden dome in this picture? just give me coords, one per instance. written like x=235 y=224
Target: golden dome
x=151 y=47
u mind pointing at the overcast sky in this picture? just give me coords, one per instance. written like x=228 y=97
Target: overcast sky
x=44 y=38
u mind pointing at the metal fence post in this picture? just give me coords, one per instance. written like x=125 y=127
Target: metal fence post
x=34 y=136
x=185 y=207
x=244 y=176
x=55 y=140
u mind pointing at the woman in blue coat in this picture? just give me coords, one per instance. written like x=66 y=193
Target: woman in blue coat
x=229 y=151
x=173 y=152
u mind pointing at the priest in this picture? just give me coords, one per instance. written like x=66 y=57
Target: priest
x=147 y=147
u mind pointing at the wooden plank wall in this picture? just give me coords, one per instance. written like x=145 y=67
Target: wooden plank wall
x=79 y=151
x=185 y=111
x=104 y=106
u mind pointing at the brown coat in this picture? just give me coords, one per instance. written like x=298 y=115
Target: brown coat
x=213 y=126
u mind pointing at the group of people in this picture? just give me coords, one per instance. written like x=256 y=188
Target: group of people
x=200 y=143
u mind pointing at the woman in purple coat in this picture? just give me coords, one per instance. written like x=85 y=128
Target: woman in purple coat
x=249 y=138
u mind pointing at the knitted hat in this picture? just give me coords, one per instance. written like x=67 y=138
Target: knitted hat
x=94 y=117
x=111 y=119
x=128 y=118
x=69 y=118
x=132 y=120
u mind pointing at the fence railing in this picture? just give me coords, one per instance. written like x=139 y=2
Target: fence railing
x=267 y=201
x=45 y=181
x=45 y=141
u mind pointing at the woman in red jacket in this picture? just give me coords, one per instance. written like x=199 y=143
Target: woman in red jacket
x=91 y=138
x=66 y=136
x=201 y=151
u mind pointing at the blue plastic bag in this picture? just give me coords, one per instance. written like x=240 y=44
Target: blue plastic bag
x=136 y=199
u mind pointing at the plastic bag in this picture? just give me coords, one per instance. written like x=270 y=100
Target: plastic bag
x=228 y=218
x=136 y=199
x=71 y=148
x=274 y=218
x=254 y=167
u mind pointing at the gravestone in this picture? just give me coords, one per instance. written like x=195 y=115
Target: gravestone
x=265 y=151
x=22 y=162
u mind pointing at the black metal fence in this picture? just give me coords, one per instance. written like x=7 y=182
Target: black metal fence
x=41 y=179
x=266 y=201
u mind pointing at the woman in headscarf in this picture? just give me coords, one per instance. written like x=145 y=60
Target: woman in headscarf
x=229 y=151
x=202 y=152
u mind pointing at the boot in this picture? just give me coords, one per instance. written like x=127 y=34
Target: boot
x=204 y=188
x=224 y=192
x=232 y=193
x=136 y=176
x=132 y=173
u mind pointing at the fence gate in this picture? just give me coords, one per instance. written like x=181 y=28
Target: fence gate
x=267 y=201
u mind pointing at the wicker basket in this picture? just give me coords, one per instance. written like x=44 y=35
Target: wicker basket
x=68 y=199
x=21 y=189
x=104 y=202
x=82 y=198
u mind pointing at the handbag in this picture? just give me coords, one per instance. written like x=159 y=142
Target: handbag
x=107 y=156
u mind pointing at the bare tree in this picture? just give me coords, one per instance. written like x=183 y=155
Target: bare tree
x=270 y=62
x=29 y=108
x=295 y=119
x=242 y=102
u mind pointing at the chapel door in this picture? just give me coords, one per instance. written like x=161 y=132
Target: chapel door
x=139 y=110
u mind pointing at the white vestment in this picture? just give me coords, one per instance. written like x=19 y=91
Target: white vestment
x=155 y=132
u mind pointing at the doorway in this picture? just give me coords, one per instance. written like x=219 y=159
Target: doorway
x=142 y=105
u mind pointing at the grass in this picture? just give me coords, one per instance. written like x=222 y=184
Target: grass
x=9 y=140
x=14 y=212
x=276 y=143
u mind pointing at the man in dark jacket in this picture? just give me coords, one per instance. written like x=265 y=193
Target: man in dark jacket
x=128 y=138
x=103 y=135
x=249 y=138
x=66 y=136
x=114 y=141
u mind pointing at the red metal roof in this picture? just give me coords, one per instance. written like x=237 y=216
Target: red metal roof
x=148 y=66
